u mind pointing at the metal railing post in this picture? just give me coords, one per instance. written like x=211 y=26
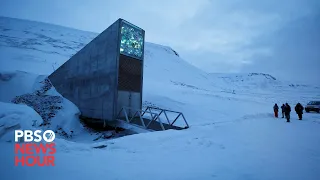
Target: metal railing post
x=141 y=120
x=162 y=127
x=145 y=111
x=152 y=120
x=167 y=117
x=176 y=119
x=133 y=116
x=151 y=113
x=126 y=115
x=119 y=112
x=185 y=120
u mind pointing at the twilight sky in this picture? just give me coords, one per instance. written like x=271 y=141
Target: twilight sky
x=280 y=37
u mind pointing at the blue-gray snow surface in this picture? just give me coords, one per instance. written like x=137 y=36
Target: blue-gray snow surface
x=232 y=134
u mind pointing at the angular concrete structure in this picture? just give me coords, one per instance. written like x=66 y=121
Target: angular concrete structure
x=106 y=74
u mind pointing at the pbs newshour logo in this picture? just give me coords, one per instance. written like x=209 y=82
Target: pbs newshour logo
x=34 y=148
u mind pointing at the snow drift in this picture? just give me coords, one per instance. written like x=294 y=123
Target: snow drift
x=37 y=93
x=16 y=117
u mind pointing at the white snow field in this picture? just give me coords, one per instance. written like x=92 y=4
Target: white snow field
x=232 y=136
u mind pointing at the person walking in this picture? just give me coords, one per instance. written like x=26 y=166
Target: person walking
x=299 y=110
x=282 y=110
x=276 y=109
x=287 y=111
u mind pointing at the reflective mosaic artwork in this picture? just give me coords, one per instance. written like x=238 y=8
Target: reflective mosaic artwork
x=131 y=41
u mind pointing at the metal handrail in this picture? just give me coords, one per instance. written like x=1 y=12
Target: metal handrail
x=140 y=117
x=154 y=116
x=165 y=112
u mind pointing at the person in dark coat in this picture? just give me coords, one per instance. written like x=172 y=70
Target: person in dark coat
x=287 y=111
x=282 y=110
x=276 y=109
x=299 y=110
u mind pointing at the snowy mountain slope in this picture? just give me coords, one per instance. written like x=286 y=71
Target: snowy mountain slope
x=169 y=81
x=28 y=45
x=233 y=134
x=265 y=86
x=41 y=48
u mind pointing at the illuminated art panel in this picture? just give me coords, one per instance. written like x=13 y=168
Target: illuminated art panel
x=131 y=41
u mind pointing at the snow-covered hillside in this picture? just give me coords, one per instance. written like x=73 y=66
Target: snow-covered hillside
x=233 y=134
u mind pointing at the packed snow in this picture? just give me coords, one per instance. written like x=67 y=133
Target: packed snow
x=14 y=117
x=232 y=134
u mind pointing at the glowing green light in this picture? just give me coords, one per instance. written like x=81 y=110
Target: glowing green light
x=131 y=41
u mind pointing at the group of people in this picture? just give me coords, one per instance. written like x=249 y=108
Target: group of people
x=286 y=109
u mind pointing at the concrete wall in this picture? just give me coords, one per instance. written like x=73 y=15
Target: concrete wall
x=129 y=99
x=89 y=78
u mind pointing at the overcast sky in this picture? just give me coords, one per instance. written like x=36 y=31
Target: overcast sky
x=280 y=37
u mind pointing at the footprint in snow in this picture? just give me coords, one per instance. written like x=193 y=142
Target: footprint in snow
x=206 y=143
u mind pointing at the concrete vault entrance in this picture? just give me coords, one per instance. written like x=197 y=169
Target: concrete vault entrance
x=106 y=76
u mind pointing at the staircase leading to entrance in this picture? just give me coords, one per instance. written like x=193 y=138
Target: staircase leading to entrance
x=153 y=118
